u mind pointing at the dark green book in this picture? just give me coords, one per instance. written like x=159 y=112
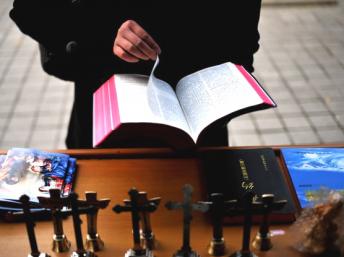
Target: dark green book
x=233 y=172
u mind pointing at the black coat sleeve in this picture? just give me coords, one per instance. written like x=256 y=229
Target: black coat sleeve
x=55 y=23
x=44 y=21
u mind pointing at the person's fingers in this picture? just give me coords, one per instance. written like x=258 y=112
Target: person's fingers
x=121 y=53
x=154 y=48
x=129 y=47
x=133 y=43
x=141 y=45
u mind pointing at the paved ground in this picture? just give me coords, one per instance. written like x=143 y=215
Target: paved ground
x=300 y=62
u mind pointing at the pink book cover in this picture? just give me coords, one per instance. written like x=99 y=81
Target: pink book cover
x=105 y=111
x=260 y=91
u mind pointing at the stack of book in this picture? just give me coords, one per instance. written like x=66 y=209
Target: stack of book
x=33 y=172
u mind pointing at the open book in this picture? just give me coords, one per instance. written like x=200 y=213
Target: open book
x=135 y=107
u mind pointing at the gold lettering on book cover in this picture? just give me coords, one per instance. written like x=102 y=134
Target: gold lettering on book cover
x=246 y=184
x=264 y=162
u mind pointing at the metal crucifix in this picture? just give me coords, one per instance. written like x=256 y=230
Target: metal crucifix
x=262 y=241
x=187 y=207
x=146 y=234
x=218 y=207
x=135 y=208
x=93 y=241
x=30 y=225
x=80 y=251
x=55 y=203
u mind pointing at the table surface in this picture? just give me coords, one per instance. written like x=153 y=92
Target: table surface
x=159 y=172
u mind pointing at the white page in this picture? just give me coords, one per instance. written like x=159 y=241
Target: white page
x=211 y=93
x=131 y=92
x=148 y=99
x=164 y=103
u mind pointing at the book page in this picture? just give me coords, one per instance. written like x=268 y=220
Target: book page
x=148 y=99
x=212 y=93
x=131 y=92
x=164 y=103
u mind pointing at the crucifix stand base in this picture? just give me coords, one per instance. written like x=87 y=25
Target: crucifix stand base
x=83 y=254
x=217 y=248
x=149 y=243
x=262 y=242
x=94 y=244
x=243 y=254
x=143 y=253
x=38 y=255
x=186 y=254
x=60 y=244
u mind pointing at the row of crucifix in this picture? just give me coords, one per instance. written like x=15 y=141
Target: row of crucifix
x=140 y=208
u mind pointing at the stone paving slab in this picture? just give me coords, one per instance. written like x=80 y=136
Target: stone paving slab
x=296 y=2
x=300 y=63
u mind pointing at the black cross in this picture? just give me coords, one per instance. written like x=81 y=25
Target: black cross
x=267 y=205
x=135 y=208
x=247 y=210
x=55 y=203
x=30 y=225
x=92 y=201
x=187 y=206
x=146 y=232
x=73 y=197
x=218 y=208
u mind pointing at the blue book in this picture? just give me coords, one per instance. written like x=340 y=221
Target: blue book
x=314 y=169
x=69 y=176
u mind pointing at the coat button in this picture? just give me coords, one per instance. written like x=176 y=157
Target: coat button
x=71 y=47
x=76 y=2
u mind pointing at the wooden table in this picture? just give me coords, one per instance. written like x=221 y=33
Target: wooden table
x=160 y=172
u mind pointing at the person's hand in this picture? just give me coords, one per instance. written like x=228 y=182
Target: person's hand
x=133 y=43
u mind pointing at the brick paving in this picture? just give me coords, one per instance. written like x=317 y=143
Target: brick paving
x=300 y=63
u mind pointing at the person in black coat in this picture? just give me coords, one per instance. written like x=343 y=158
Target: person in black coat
x=87 y=41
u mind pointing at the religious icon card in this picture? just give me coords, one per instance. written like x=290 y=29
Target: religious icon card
x=33 y=172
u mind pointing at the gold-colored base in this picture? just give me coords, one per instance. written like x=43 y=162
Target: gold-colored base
x=145 y=253
x=243 y=254
x=83 y=254
x=60 y=244
x=149 y=243
x=183 y=254
x=217 y=248
x=38 y=255
x=262 y=243
x=94 y=244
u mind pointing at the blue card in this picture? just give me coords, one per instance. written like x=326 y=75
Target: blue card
x=314 y=169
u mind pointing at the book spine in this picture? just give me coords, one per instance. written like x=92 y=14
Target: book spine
x=98 y=128
x=105 y=111
x=113 y=106
x=105 y=106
